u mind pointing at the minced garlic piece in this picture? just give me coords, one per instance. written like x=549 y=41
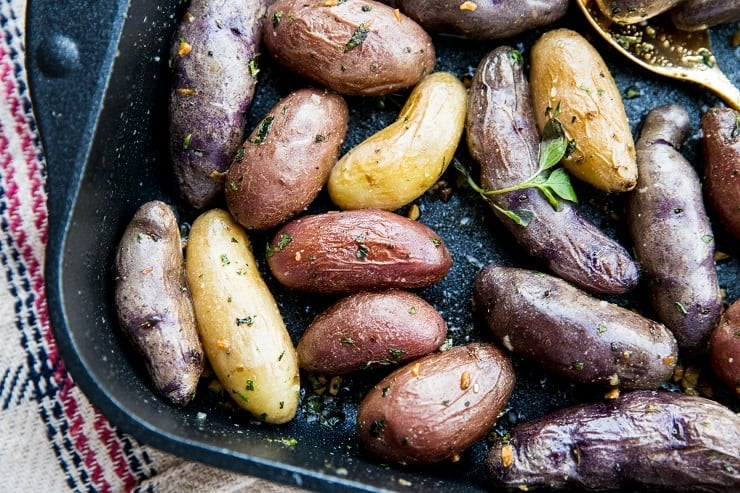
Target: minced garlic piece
x=469 y=6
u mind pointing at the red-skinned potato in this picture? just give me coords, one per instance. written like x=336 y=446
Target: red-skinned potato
x=724 y=347
x=358 y=250
x=435 y=407
x=355 y=47
x=721 y=149
x=285 y=162
x=371 y=329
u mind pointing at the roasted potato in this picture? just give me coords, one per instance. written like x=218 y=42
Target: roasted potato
x=693 y=15
x=211 y=90
x=571 y=81
x=366 y=249
x=434 y=408
x=724 y=347
x=369 y=330
x=400 y=162
x=243 y=333
x=482 y=20
x=672 y=237
x=634 y=11
x=355 y=47
x=650 y=439
x=153 y=303
x=502 y=136
x=721 y=151
x=572 y=334
x=284 y=163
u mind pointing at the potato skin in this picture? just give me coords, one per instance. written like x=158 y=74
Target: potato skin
x=357 y=47
x=211 y=90
x=153 y=303
x=371 y=329
x=633 y=11
x=721 y=152
x=693 y=15
x=366 y=249
x=502 y=136
x=243 y=333
x=672 y=237
x=284 y=163
x=489 y=20
x=432 y=409
x=399 y=163
x=568 y=72
x=724 y=347
x=572 y=334
x=656 y=439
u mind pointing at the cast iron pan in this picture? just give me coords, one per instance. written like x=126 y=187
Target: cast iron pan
x=98 y=74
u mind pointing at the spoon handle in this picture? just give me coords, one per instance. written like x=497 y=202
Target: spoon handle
x=718 y=82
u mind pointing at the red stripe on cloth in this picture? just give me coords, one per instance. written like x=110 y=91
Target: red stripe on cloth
x=34 y=174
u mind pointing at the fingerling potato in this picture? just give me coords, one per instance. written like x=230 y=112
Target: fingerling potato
x=400 y=162
x=211 y=91
x=656 y=440
x=284 y=163
x=671 y=234
x=245 y=338
x=370 y=330
x=435 y=407
x=153 y=304
x=571 y=333
x=724 y=347
x=365 y=249
x=571 y=81
x=721 y=151
x=355 y=47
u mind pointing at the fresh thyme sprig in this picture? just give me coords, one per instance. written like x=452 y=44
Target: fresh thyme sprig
x=554 y=185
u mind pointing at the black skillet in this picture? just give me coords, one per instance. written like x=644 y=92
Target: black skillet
x=98 y=76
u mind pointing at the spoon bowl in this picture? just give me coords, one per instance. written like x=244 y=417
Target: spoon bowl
x=658 y=46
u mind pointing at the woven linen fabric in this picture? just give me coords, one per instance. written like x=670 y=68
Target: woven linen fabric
x=52 y=438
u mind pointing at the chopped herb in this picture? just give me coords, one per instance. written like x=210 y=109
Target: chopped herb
x=239 y=154
x=234 y=240
x=707 y=239
x=139 y=237
x=281 y=356
x=412 y=310
x=346 y=340
x=367 y=8
x=736 y=128
x=600 y=92
x=288 y=442
x=262 y=417
x=186 y=141
x=632 y=92
x=242 y=396
x=516 y=55
x=436 y=241
x=253 y=67
x=707 y=58
x=362 y=252
x=250 y=385
x=281 y=404
x=233 y=186
x=385 y=390
x=263 y=129
x=377 y=427
x=601 y=328
x=397 y=353
x=319 y=138
x=406 y=440
x=446 y=346
x=358 y=37
x=248 y=321
x=446 y=402
x=225 y=259
x=284 y=240
x=276 y=17
x=680 y=308
x=578 y=365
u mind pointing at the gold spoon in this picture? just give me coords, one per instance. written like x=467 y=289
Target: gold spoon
x=660 y=47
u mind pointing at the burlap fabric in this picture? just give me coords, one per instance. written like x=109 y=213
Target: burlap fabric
x=51 y=438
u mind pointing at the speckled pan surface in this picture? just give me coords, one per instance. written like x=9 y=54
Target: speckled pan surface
x=98 y=76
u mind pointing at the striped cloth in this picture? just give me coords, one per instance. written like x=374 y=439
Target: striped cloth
x=51 y=438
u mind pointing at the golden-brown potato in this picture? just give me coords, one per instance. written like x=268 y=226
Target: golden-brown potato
x=435 y=407
x=285 y=162
x=570 y=81
x=400 y=162
x=355 y=47
x=243 y=333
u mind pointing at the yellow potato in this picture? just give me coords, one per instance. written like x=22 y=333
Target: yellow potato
x=240 y=325
x=399 y=163
x=568 y=73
